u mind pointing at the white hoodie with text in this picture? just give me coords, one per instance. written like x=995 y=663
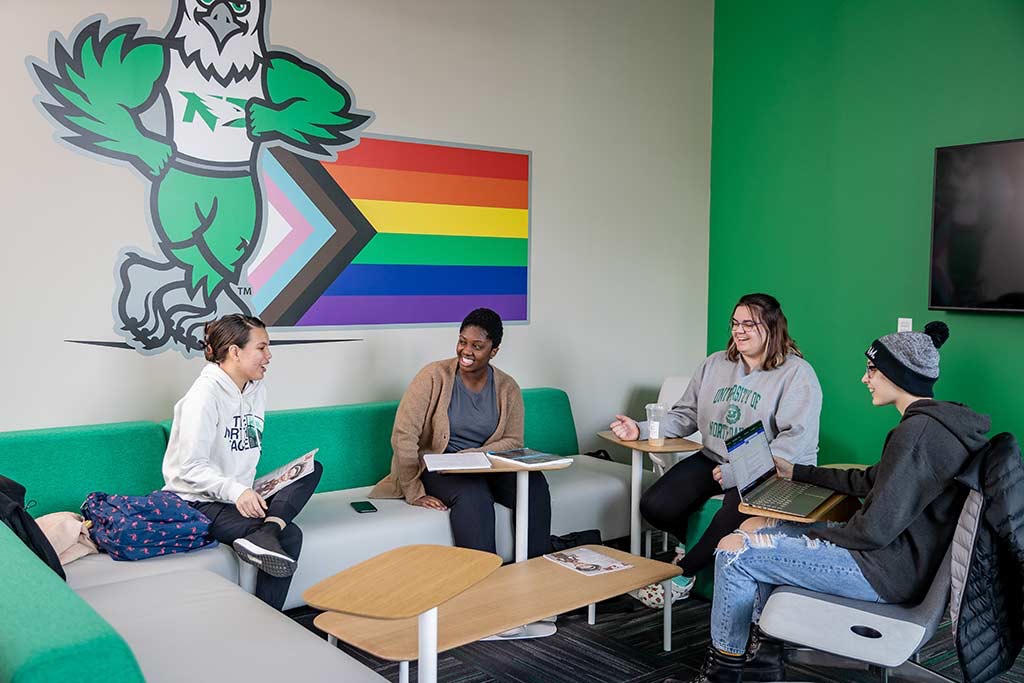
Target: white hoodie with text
x=215 y=439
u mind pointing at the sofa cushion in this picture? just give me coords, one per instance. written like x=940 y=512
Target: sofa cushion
x=49 y=633
x=95 y=570
x=60 y=467
x=354 y=441
x=195 y=625
x=335 y=537
x=548 y=423
x=593 y=494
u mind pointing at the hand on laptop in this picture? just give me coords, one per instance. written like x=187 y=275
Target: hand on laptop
x=784 y=468
x=625 y=428
x=717 y=474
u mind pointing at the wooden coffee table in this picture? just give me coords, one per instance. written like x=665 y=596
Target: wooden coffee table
x=404 y=585
x=511 y=596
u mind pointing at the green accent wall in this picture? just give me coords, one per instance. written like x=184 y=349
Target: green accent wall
x=826 y=115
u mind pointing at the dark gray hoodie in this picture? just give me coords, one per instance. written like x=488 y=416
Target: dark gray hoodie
x=911 y=501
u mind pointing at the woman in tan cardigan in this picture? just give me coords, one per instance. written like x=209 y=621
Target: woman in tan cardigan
x=465 y=404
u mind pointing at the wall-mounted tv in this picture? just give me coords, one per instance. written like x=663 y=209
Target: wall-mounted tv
x=977 y=259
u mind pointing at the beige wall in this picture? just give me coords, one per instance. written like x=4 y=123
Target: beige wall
x=612 y=97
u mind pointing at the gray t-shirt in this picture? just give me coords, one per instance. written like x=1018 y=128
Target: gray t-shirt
x=472 y=416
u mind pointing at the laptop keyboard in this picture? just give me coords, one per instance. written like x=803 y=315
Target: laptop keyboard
x=779 y=495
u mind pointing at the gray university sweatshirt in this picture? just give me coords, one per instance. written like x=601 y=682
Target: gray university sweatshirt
x=723 y=398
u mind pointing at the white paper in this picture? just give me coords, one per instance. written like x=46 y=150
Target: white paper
x=271 y=483
x=436 y=462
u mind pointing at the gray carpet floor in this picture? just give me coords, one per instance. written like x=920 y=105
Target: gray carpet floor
x=624 y=646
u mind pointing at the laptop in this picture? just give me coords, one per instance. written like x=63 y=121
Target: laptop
x=758 y=484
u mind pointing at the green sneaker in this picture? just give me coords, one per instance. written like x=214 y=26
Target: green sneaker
x=681 y=587
x=680 y=553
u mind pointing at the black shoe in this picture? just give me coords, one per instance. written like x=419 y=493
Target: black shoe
x=717 y=668
x=764 y=658
x=261 y=549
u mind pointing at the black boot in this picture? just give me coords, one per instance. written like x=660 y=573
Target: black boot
x=718 y=667
x=764 y=658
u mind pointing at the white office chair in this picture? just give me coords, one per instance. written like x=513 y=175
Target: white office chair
x=671 y=391
x=852 y=634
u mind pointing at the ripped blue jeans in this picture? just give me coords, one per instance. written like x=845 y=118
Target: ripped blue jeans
x=777 y=555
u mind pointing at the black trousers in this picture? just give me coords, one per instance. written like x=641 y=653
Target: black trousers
x=471 y=498
x=227 y=525
x=680 y=492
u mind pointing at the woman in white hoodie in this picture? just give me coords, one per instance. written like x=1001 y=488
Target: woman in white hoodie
x=214 y=447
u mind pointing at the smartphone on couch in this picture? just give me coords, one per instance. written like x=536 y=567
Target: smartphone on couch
x=363 y=506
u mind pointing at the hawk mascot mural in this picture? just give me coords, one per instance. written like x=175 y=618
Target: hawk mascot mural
x=190 y=110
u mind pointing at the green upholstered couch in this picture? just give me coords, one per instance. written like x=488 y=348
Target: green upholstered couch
x=52 y=634
x=49 y=633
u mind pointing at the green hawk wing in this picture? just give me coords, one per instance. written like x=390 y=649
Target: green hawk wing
x=305 y=107
x=98 y=89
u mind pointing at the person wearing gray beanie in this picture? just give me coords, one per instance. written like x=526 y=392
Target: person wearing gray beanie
x=910 y=360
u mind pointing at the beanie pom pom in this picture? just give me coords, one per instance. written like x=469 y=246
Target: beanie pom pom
x=938 y=331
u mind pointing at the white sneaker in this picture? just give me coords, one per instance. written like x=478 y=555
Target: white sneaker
x=653 y=596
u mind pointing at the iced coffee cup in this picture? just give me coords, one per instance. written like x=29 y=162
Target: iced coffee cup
x=655 y=417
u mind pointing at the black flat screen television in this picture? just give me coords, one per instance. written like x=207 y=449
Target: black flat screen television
x=977 y=259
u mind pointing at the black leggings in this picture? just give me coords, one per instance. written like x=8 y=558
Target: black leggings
x=471 y=498
x=680 y=492
x=228 y=525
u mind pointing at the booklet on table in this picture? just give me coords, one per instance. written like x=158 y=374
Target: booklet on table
x=587 y=562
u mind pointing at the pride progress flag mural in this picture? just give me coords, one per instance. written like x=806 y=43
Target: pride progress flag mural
x=394 y=232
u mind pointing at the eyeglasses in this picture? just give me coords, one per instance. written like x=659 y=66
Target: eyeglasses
x=871 y=370
x=747 y=325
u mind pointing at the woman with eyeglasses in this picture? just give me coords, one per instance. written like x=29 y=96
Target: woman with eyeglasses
x=215 y=444
x=761 y=375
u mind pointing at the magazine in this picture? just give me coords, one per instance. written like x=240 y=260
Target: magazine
x=527 y=457
x=271 y=483
x=587 y=562
x=456 y=461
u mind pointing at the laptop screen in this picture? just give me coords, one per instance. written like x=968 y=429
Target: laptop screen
x=751 y=457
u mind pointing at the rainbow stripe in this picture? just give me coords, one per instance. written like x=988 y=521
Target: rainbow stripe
x=431 y=231
x=452 y=228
